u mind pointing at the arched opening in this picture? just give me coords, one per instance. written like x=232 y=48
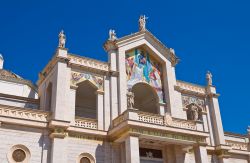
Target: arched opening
x=146 y=98
x=86 y=99
x=48 y=97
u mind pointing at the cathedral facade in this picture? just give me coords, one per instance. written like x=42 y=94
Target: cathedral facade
x=131 y=109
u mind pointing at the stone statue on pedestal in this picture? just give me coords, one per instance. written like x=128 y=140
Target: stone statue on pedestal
x=62 y=39
x=172 y=50
x=142 y=23
x=209 y=78
x=130 y=100
x=112 y=35
x=194 y=113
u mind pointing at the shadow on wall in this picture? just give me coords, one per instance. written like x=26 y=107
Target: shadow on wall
x=45 y=144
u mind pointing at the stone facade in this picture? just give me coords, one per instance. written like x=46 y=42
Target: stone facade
x=131 y=109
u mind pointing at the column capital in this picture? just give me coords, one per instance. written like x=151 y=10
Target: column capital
x=58 y=133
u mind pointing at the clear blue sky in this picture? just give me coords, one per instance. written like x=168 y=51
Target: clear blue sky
x=206 y=35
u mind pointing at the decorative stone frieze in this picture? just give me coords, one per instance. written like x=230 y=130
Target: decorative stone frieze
x=22 y=113
x=174 y=136
x=189 y=88
x=237 y=145
x=88 y=63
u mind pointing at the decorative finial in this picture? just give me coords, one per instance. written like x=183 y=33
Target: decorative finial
x=112 y=35
x=209 y=78
x=1 y=61
x=142 y=23
x=62 y=39
x=172 y=51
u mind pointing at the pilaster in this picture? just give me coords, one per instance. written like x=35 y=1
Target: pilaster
x=215 y=115
x=172 y=97
x=107 y=111
x=111 y=48
x=201 y=154
x=122 y=81
x=59 y=145
x=100 y=103
x=61 y=87
x=132 y=149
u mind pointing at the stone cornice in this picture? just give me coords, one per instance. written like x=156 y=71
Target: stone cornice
x=88 y=63
x=24 y=99
x=190 y=88
x=19 y=80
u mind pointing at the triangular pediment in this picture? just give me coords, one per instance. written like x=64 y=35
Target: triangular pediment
x=147 y=40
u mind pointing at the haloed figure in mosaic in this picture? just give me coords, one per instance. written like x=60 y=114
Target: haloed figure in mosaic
x=140 y=67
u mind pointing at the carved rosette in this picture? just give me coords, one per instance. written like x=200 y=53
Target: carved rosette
x=168 y=121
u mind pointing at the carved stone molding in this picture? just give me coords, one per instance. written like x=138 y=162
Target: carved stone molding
x=237 y=145
x=88 y=63
x=188 y=100
x=23 y=113
x=58 y=133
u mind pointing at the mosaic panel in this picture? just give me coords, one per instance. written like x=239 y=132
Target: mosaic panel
x=141 y=67
x=77 y=77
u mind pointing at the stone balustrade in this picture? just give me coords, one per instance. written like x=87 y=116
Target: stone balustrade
x=150 y=118
x=86 y=123
x=155 y=119
x=23 y=113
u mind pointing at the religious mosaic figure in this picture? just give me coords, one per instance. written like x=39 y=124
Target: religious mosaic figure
x=140 y=67
x=130 y=100
x=209 y=78
x=142 y=23
x=62 y=39
x=112 y=35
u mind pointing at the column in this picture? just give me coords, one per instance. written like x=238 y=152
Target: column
x=100 y=110
x=132 y=149
x=200 y=154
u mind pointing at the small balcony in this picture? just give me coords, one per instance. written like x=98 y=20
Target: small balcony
x=156 y=119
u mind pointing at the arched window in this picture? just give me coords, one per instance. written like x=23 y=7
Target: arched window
x=86 y=100
x=48 y=97
x=85 y=158
x=146 y=98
